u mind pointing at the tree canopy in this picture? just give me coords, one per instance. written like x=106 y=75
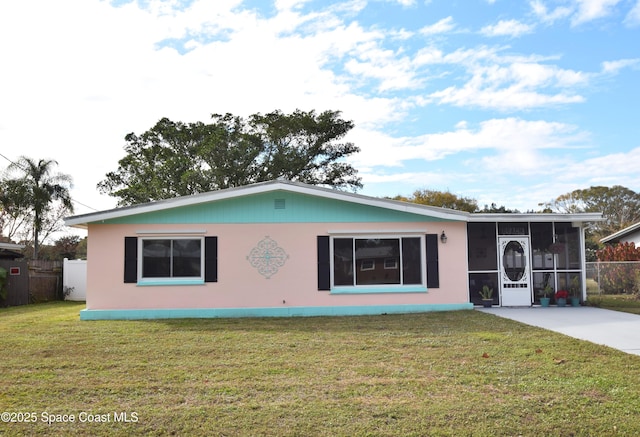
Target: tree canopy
x=29 y=199
x=177 y=159
x=442 y=199
x=619 y=206
x=446 y=199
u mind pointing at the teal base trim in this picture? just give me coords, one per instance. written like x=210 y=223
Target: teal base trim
x=201 y=313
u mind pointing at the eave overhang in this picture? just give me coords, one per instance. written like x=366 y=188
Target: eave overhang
x=82 y=221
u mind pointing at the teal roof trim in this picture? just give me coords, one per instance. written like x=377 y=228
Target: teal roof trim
x=276 y=206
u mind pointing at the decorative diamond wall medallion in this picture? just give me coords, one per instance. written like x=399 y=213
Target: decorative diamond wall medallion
x=267 y=257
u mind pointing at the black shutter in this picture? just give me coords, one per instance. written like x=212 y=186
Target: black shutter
x=130 y=260
x=210 y=259
x=433 y=275
x=324 y=264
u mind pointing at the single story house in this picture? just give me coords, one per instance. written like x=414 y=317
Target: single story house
x=630 y=234
x=289 y=249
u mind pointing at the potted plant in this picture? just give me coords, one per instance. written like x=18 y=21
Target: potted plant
x=575 y=292
x=561 y=297
x=544 y=293
x=487 y=296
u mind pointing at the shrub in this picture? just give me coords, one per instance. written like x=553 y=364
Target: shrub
x=619 y=277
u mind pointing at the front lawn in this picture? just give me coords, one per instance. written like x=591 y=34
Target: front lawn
x=455 y=373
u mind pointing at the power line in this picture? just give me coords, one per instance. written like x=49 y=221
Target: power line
x=82 y=204
x=9 y=160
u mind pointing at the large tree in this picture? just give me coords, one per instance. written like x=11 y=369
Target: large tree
x=33 y=192
x=176 y=159
x=619 y=206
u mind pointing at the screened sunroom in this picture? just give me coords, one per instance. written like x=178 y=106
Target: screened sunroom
x=518 y=259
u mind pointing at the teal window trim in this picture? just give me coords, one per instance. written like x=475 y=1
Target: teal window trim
x=150 y=283
x=379 y=289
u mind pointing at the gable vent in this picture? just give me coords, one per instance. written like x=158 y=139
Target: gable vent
x=279 y=204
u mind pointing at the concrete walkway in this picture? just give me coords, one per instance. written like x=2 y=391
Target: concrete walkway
x=610 y=328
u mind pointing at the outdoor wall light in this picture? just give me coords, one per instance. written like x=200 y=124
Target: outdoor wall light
x=443 y=237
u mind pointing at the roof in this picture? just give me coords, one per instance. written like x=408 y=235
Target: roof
x=11 y=246
x=8 y=251
x=584 y=217
x=621 y=233
x=81 y=221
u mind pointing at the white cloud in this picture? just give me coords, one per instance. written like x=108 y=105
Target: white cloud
x=512 y=28
x=488 y=78
x=510 y=98
x=633 y=17
x=443 y=26
x=508 y=149
x=515 y=138
x=624 y=163
x=569 y=171
x=546 y=16
x=518 y=85
x=428 y=55
x=283 y=5
x=405 y=2
x=579 y=11
x=589 y=10
x=389 y=68
x=612 y=67
x=408 y=179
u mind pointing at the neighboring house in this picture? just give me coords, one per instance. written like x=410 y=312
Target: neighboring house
x=291 y=249
x=629 y=234
x=10 y=251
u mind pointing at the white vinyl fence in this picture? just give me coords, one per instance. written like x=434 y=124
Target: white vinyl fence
x=74 y=279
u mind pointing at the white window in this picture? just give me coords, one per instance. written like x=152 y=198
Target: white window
x=391 y=263
x=367 y=264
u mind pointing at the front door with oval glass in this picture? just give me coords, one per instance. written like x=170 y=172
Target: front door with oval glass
x=515 y=273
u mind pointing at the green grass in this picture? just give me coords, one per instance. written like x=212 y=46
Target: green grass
x=457 y=373
x=618 y=302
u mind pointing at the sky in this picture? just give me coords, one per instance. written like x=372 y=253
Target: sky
x=506 y=102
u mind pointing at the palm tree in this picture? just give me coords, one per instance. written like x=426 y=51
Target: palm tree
x=39 y=187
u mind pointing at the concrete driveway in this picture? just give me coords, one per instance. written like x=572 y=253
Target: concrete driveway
x=610 y=328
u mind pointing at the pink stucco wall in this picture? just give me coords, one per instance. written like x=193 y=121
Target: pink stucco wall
x=241 y=286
